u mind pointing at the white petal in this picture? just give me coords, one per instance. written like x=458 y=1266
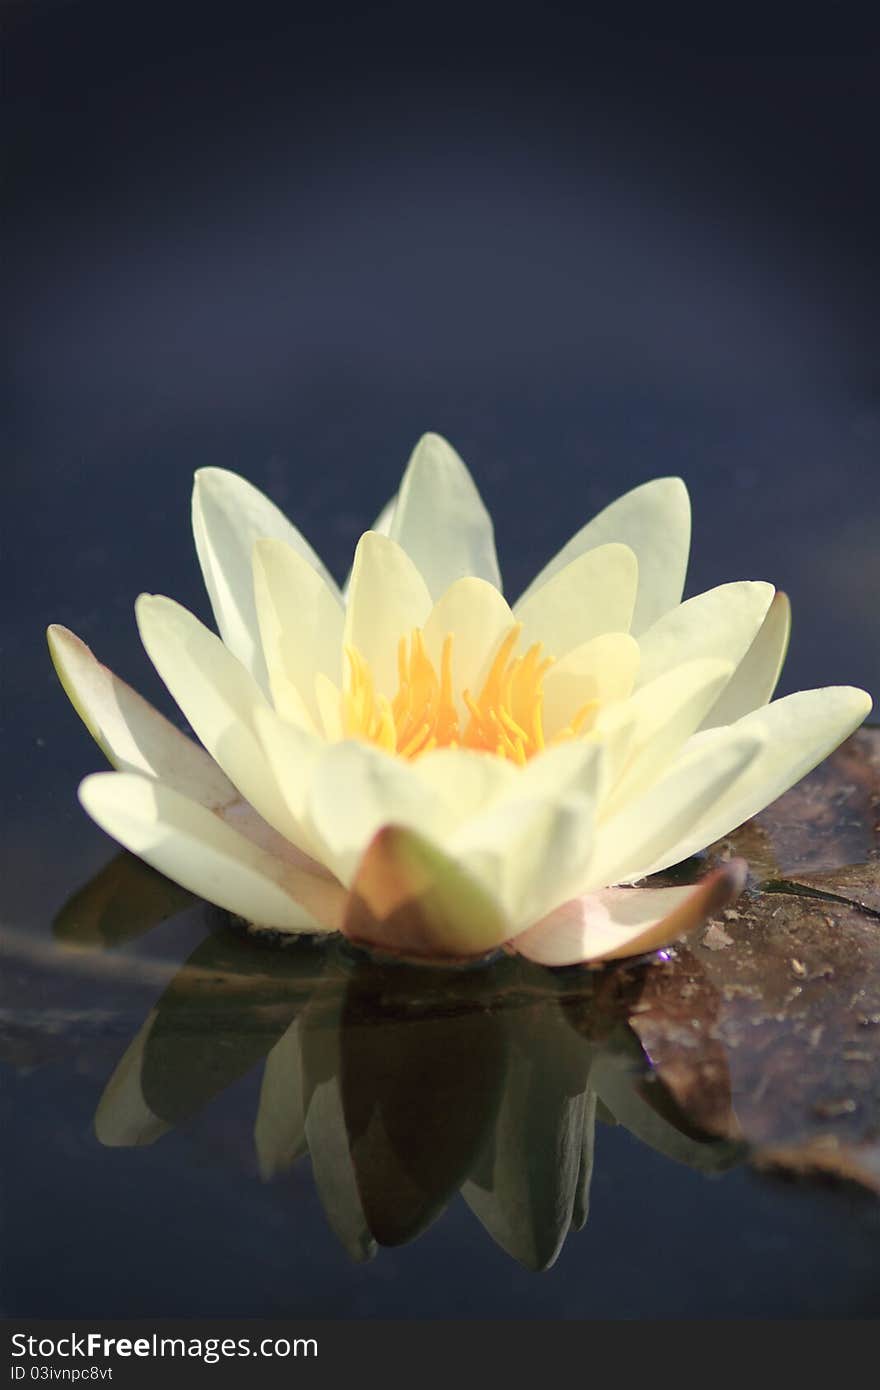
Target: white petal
x=328 y=698
x=592 y=595
x=630 y=844
x=387 y=600
x=603 y=670
x=133 y=735
x=355 y=790
x=654 y=520
x=754 y=680
x=531 y=848
x=228 y=516
x=382 y=525
x=293 y=757
x=721 y=623
x=479 y=619
x=440 y=519
x=280 y=1129
x=796 y=733
x=465 y=778
x=195 y=848
x=657 y=721
x=219 y=698
x=301 y=622
x=619 y=922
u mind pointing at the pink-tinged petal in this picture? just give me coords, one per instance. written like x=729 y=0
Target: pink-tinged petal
x=411 y=900
x=133 y=735
x=620 y=922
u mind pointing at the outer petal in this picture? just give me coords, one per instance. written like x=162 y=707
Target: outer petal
x=388 y=598
x=133 y=735
x=219 y=698
x=754 y=680
x=658 y=720
x=631 y=842
x=620 y=922
x=592 y=595
x=411 y=899
x=796 y=733
x=228 y=516
x=654 y=520
x=722 y=623
x=440 y=519
x=198 y=850
x=355 y=790
x=301 y=622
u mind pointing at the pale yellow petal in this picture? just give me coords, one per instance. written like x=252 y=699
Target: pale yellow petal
x=654 y=520
x=531 y=852
x=721 y=623
x=593 y=595
x=441 y=520
x=755 y=678
x=630 y=844
x=478 y=618
x=382 y=525
x=133 y=735
x=219 y=698
x=328 y=698
x=197 y=849
x=796 y=733
x=603 y=670
x=301 y=623
x=466 y=779
x=356 y=790
x=659 y=719
x=387 y=600
x=228 y=515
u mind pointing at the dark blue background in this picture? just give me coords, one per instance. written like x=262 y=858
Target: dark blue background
x=288 y=242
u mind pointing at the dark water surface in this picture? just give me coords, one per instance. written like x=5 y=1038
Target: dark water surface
x=239 y=247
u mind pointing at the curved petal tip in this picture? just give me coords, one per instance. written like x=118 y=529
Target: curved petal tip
x=619 y=922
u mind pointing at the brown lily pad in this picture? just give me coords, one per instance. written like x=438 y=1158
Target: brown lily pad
x=766 y=1028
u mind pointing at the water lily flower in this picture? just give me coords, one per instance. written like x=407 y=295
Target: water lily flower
x=435 y=773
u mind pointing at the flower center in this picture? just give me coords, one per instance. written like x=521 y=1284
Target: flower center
x=505 y=718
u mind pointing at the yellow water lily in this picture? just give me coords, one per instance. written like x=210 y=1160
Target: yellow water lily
x=416 y=763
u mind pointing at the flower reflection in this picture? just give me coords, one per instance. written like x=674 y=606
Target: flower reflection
x=405 y=1086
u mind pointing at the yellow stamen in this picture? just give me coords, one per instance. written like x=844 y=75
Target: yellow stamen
x=506 y=718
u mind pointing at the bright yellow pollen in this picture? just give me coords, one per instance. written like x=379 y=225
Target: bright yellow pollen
x=505 y=718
